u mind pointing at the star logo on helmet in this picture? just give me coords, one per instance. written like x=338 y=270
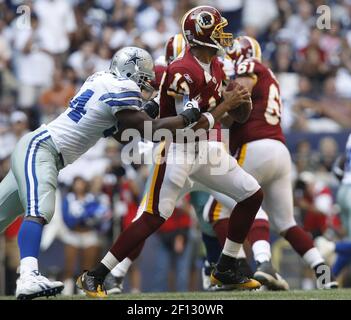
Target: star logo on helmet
x=133 y=59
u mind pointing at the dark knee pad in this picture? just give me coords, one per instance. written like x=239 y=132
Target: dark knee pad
x=39 y=220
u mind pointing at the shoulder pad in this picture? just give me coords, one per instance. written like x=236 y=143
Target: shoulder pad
x=181 y=81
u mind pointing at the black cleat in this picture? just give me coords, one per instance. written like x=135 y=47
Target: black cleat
x=232 y=279
x=244 y=268
x=269 y=277
x=113 y=285
x=92 y=286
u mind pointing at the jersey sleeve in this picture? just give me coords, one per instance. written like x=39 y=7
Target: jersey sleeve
x=122 y=96
x=227 y=67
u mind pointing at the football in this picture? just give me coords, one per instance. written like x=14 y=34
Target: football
x=241 y=113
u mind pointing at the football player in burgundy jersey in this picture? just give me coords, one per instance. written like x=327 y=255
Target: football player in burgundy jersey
x=114 y=285
x=195 y=78
x=260 y=147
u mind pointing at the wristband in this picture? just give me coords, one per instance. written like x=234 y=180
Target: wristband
x=152 y=109
x=210 y=119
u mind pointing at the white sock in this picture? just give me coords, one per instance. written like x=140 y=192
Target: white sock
x=241 y=253
x=262 y=251
x=313 y=257
x=28 y=264
x=308 y=284
x=231 y=248
x=109 y=261
x=69 y=287
x=122 y=268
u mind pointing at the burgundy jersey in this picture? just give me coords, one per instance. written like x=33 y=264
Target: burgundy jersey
x=186 y=79
x=159 y=70
x=264 y=120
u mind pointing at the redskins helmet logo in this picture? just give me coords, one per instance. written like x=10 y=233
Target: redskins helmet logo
x=204 y=20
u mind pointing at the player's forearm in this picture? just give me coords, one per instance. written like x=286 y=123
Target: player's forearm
x=227 y=121
x=146 y=132
x=146 y=126
x=170 y=123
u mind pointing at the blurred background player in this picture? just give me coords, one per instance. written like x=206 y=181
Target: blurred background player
x=260 y=147
x=86 y=214
x=126 y=191
x=173 y=261
x=344 y=192
x=19 y=127
x=335 y=244
x=173 y=48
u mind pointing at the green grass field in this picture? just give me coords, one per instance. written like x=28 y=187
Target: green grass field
x=340 y=294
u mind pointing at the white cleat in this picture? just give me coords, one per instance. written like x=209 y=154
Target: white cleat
x=269 y=277
x=33 y=285
x=206 y=276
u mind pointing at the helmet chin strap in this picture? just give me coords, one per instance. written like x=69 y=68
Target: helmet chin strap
x=221 y=52
x=220 y=49
x=206 y=44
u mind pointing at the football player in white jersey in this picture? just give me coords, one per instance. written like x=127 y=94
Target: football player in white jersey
x=107 y=103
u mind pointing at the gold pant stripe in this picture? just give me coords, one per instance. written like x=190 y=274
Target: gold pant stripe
x=217 y=211
x=242 y=155
x=151 y=190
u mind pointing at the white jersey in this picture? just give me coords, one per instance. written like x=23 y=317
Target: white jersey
x=91 y=113
x=347 y=169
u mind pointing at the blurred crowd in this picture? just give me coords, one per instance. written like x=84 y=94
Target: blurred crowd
x=49 y=47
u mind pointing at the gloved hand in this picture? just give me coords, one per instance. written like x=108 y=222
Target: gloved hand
x=191 y=112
